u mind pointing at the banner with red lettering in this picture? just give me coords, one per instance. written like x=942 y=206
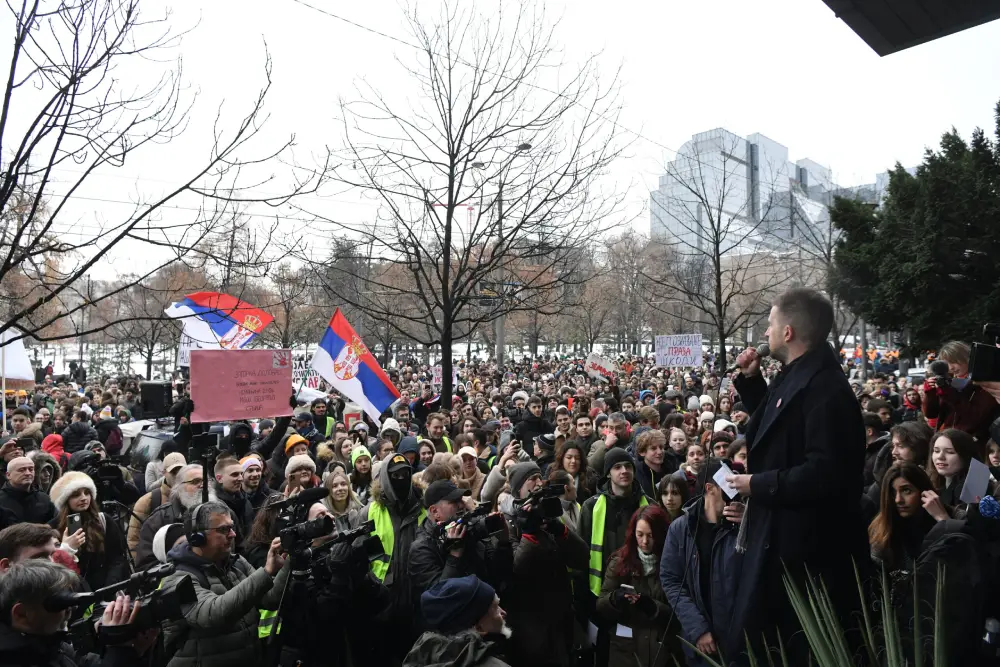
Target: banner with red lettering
x=600 y=368
x=678 y=351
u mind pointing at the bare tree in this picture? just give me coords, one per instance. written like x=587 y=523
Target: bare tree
x=715 y=253
x=488 y=184
x=67 y=115
x=297 y=320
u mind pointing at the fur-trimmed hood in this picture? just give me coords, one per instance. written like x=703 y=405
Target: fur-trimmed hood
x=43 y=459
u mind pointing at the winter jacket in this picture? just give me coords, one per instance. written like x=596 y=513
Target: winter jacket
x=143 y=508
x=242 y=510
x=168 y=513
x=680 y=577
x=109 y=434
x=646 y=630
x=239 y=440
x=871 y=454
x=53 y=446
x=35 y=432
x=490 y=560
x=220 y=628
x=465 y=649
x=539 y=600
x=972 y=409
x=105 y=567
x=43 y=460
x=31 y=506
x=617 y=516
x=529 y=428
x=76 y=436
x=649 y=478
x=37 y=651
x=594 y=446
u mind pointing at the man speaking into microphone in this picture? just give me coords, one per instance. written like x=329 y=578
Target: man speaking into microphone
x=805 y=460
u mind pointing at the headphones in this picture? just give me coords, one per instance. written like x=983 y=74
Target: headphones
x=195 y=537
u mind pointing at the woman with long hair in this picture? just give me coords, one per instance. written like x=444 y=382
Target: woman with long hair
x=632 y=597
x=99 y=545
x=690 y=425
x=951 y=452
x=361 y=473
x=724 y=407
x=342 y=500
x=672 y=494
x=571 y=458
x=902 y=523
x=262 y=533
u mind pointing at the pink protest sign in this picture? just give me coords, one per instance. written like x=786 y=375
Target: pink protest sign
x=240 y=384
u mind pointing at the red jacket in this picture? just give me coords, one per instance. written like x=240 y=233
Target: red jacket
x=971 y=410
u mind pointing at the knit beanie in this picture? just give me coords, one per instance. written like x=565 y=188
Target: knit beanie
x=358 y=452
x=519 y=474
x=614 y=456
x=453 y=605
x=67 y=485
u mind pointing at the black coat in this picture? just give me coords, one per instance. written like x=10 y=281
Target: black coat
x=36 y=651
x=25 y=506
x=806 y=454
x=76 y=436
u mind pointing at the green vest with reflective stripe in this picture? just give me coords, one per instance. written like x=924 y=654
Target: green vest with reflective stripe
x=378 y=513
x=597 y=542
x=447 y=442
x=266 y=624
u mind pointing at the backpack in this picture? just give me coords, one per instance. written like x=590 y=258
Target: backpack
x=110 y=435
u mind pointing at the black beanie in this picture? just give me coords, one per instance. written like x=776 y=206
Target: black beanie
x=614 y=456
x=519 y=474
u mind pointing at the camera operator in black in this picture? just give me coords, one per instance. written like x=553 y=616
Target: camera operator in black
x=442 y=549
x=341 y=596
x=32 y=635
x=109 y=477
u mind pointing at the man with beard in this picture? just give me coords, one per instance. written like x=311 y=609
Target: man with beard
x=466 y=627
x=172 y=464
x=435 y=433
x=185 y=494
x=397 y=512
x=254 y=486
x=229 y=489
x=321 y=420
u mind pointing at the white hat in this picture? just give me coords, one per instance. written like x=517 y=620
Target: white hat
x=706 y=416
x=160 y=548
x=523 y=395
x=172 y=461
x=705 y=398
x=299 y=462
x=69 y=484
x=390 y=424
x=722 y=425
x=468 y=450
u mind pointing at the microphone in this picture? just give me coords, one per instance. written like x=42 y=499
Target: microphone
x=763 y=350
x=309 y=496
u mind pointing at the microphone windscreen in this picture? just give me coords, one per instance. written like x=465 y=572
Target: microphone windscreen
x=764 y=350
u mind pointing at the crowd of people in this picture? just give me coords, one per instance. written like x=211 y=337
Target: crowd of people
x=545 y=518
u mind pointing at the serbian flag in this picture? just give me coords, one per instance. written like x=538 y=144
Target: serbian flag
x=218 y=320
x=347 y=364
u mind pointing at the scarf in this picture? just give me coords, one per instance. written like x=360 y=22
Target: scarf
x=649 y=562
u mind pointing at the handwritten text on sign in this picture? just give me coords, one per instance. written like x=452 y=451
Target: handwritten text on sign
x=681 y=350
x=598 y=367
x=240 y=384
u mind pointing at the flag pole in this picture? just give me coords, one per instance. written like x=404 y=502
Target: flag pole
x=3 y=378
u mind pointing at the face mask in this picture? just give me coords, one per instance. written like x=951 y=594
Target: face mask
x=959 y=383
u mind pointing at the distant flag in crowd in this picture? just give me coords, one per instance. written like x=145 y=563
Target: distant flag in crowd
x=219 y=320
x=347 y=364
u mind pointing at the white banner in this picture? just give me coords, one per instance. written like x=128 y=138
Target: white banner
x=302 y=370
x=680 y=350
x=600 y=368
x=188 y=343
x=438 y=378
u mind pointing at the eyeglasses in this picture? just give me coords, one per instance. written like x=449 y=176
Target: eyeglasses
x=224 y=530
x=194 y=482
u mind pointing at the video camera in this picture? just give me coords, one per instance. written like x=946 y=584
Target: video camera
x=330 y=558
x=479 y=524
x=159 y=603
x=545 y=503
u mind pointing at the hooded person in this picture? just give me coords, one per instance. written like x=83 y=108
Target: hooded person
x=391 y=430
x=47 y=470
x=397 y=511
x=410 y=448
x=53 y=445
x=239 y=440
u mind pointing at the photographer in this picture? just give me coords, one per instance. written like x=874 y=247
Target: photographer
x=97 y=542
x=32 y=635
x=220 y=628
x=340 y=595
x=112 y=479
x=954 y=401
x=445 y=549
x=539 y=600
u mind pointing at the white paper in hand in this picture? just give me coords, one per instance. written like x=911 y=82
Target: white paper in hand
x=720 y=479
x=976 y=482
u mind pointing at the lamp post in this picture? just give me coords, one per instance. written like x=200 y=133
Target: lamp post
x=501 y=321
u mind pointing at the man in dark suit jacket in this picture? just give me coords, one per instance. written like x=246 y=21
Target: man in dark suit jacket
x=806 y=452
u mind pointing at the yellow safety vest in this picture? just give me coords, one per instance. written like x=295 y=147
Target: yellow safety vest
x=447 y=442
x=597 y=542
x=378 y=513
x=266 y=624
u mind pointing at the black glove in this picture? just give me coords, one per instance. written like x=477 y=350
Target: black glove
x=618 y=600
x=529 y=522
x=646 y=605
x=293 y=402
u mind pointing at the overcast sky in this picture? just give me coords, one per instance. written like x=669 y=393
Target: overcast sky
x=786 y=68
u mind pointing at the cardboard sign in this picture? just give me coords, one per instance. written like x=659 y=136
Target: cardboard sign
x=240 y=384
x=303 y=374
x=682 y=350
x=599 y=367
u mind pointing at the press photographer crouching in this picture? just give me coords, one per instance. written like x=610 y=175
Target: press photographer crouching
x=455 y=544
x=331 y=587
x=219 y=628
x=35 y=607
